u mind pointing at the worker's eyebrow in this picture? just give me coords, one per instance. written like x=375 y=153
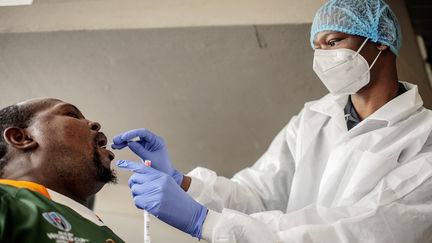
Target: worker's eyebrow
x=324 y=36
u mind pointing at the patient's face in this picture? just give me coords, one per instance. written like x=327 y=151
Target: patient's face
x=71 y=147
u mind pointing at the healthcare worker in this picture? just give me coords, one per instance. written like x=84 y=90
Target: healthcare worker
x=354 y=166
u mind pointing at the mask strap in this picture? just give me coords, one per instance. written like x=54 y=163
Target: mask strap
x=361 y=47
x=376 y=59
x=373 y=63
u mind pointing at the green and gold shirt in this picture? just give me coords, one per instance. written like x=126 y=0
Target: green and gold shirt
x=29 y=213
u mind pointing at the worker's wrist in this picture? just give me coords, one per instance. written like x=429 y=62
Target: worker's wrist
x=185 y=184
x=209 y=224
x=178 y=177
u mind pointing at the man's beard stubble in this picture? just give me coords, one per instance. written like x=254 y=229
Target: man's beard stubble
x=103 y=174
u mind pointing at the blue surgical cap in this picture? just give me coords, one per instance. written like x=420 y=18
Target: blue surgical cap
x=372 y=19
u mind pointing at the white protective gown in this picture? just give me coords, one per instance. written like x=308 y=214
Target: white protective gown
x=319 y=182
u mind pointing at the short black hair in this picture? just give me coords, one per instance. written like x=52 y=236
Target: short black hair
x=12 y=116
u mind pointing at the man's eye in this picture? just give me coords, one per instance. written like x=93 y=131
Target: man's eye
x=72 y=114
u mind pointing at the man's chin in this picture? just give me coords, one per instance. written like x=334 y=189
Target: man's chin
x=107 y=176
x=104 y=173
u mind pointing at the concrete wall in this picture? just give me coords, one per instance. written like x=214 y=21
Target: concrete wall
x=222 y=88
x=218 y=95
x=62 y=15
x=53 y=15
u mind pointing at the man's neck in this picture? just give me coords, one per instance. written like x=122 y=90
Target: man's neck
x=68 y=194
x=51 y=186
x=23 y=169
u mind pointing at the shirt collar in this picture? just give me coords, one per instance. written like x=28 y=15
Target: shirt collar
x=77 y=207
x=330 y=104
x=400 y=107
x=56 y=197
x=351 y=116
x=393 y=111
x=28 y=185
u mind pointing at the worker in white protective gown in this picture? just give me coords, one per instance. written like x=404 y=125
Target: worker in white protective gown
x=354 y=166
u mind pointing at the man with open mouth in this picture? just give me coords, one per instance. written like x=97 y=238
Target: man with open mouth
x=52 y=161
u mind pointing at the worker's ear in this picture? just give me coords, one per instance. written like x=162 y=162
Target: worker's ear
x=19 y=139
x=382 y=47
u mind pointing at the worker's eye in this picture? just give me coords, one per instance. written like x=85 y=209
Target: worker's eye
x=333 y=42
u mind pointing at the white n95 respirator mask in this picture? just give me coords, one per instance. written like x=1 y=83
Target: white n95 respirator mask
x=343 y=71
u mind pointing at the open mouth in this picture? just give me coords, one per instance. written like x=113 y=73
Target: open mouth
x=101 y=141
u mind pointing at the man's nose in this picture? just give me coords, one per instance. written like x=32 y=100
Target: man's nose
x=95 y=126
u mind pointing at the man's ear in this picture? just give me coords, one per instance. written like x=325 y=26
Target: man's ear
x=19 y=139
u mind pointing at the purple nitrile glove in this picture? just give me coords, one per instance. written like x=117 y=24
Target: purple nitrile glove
x=158 y=194
x=149 y=147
